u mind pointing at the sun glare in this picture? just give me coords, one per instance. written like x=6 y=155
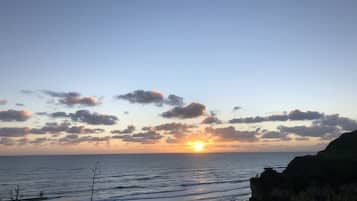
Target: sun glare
x=197 y=146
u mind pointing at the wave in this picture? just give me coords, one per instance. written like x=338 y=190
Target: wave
x=126 y=187
x=214 y=182
x=148 y=178
x=156 y=195
x=225 y=197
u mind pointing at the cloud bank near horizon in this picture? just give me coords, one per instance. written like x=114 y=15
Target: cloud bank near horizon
x=191 y=122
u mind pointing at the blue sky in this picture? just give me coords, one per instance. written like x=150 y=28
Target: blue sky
x=263 y=56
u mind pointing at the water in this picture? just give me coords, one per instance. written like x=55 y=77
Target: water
x=156 y=177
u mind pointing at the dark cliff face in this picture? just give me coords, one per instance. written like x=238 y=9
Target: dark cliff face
x=331 y=175
x=343 y=148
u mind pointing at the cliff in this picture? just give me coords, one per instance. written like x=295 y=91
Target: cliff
x=330 y=175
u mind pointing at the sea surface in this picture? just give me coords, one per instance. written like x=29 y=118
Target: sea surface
x=149 y=177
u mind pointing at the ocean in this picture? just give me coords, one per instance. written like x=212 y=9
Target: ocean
x=137 y=177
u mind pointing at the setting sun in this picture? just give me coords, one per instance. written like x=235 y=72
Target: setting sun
x=197 y=146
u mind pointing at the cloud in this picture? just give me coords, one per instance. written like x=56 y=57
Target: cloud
x=59 y=115
x=330 y=136
x=93 y=118
x=228 y=134
x=302 y=138
x=86 y=101
x=55 y=128
x=22 y=141
x=149 y=137
x=189 y=111
x=25 y=91
x=60 y=94
x=275 y=135
x=294 y=115
x=236 y=108
x=308 y=115
x=75 y=139
x=211 y=120
x=173 y=128
x=309 y=131
x=14 y=115
x=49 y=128
x=7 y=141
x=130 y=129
x=143 y=97
x=14 y=131
x=41 y=113
x=72 y=98
x=174 y=100
x=52 y=128
x=38 y=140
x=346 y=124
x=82 y=129
x=151 y=97
x=177 y=131
x=3 y=102
x=20 y=104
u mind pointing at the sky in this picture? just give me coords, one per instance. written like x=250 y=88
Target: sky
x=163 y=76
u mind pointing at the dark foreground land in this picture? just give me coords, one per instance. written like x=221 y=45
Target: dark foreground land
x=331 y=175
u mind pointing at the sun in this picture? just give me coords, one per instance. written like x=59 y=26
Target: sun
x=197 y=146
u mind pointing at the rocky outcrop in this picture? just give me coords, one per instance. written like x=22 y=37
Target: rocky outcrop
x=330 y=175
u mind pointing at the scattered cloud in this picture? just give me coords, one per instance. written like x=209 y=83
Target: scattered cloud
x=231 y=134
x=211 y=120
x=55 y=128
x=22 y=141
x=174 y=100
x=26 y=91
x=60 y=94
x=330 y=136
x=7 y=141
x=51 y=128
x=59 y=115
x=189 y=111
x=130 y=129
x=308 y=115
x=70 y=139
x=309 y=131
x=14 y=131
x=344 y=123
x=84 y=130
x=236 y=108
x=301 y=138
x=173 y=128
x=39 y=140
x=3 y=102
x=294 y=115
x=85 y=101
x=93 y=118
x=275 y=135
x=149 y=137
x=177 y=131
x=14 y=115
x=72 y=98
x=75 y=139
x=151 y=97
x=143 y=97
